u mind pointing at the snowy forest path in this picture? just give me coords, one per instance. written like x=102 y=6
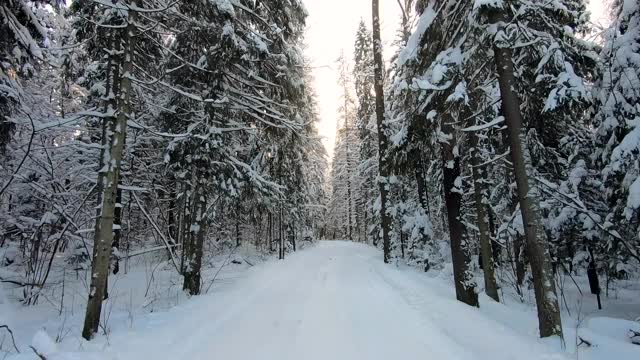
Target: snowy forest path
x=336 y=300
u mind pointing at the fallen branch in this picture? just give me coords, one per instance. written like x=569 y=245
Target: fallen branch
x=583 y=341
x=145 y=251
x=215 y=276
x=37 y=353
x=153 y=224
x=571 y=277
x=17 y=282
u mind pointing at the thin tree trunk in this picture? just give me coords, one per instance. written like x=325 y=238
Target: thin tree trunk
x=279 y=232
x=519 y=259
x=543 y=280
x=490 y=286
x=347 y=138
x=270 y=226
x=421 y=183
x=238 y=241
x=382 y=134
x=293 y=234
x=182 y=221
x=117 y=233
x=197 y=231
x=423 y=195
x=171 y=216
x=365 y=222
x=103 y=237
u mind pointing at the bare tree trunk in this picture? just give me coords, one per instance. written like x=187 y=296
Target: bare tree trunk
x=519 y=259
x=349 y=207
x=171 y=216
x=543 y=280
x=401 y=233
x=486 y=253
x=383 y=169
x=270 y=226
x=117 y=235
x=238 y=240
x=117 y=232
x=421 y=182
x=293 y=235
x=281 y=236
x=197 y=232
x=347 y=139
x=460 y=252
x=103 y=237
x=182 y=221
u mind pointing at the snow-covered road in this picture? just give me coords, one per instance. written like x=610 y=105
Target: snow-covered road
x=334 y=301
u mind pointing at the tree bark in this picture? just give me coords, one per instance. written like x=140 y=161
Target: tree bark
x=280 y=236
x=421 y=182
x=103 y=237
x=519 y=260
x=182 y=221
x=460 y=254
x=117 y=233
x=192 y=273
x=293 y=235
x=238 y=240
x=347 y=139
x=490 y=286
x=270 y=230
x=383 y=169
x=171 y=216
x=544 y=284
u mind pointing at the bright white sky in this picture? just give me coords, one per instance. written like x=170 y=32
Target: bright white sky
x=332 y=26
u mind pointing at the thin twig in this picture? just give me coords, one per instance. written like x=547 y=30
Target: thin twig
x=220 y=268
x=153 y=224
x=12 y=338
x=26 y=154
x=37 y=353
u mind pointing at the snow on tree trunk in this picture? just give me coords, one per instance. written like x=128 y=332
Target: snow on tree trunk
x=103 y=238
x=460 y=251
x=383 y=168
x=490 y=286
x=544 y=284
x=196 y=234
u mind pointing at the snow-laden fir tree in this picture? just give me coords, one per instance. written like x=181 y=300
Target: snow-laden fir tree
x=617 y=139
x=345 y=217
x=367 y=168
x=23 y=35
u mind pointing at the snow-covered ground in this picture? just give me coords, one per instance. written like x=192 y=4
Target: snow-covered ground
x=336 y=300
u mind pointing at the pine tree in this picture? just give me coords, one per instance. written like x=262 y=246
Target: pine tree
x=546 y=299
x=363 y=73
x=617 y=139
x=23 y=35
x=344 y=206
x=117 y=110
x=430 y=77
